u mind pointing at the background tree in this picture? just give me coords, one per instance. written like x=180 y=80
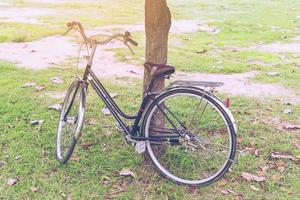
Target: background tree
x=157 y=26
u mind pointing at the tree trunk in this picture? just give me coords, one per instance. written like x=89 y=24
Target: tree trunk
x=157 y=26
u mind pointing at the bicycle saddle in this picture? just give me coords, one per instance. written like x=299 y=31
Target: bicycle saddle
x=159 y=69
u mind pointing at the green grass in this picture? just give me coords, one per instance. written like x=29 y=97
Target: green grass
x=18 y=32
x=96 y=174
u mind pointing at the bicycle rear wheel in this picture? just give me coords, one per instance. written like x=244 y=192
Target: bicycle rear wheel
x=70 y=121
x=206 y=138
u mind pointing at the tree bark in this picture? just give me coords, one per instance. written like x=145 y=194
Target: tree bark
x=157 y=26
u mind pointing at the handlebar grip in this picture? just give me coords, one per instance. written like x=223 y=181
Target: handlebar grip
x=134 y=43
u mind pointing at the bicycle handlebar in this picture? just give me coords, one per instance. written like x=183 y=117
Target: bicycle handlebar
x=125 y=37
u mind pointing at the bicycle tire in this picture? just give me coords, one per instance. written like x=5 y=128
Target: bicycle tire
x=221 y=110
x=76 y=90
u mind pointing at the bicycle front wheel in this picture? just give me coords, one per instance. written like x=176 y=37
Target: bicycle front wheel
x=206 y=140
x=70 y=121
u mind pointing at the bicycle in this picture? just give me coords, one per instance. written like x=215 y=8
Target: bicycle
x=188 y=133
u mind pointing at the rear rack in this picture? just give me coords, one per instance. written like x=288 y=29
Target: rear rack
x=197 y=83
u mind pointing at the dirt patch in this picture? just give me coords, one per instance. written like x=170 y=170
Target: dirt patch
x=39 y=54
x=177 y=27
x=279 y=47
x=52 y=51
x=23 y=15
x=241 y=84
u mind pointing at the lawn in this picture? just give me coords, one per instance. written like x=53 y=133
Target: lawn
x=27 y=152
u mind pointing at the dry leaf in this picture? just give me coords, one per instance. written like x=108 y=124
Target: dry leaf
x=56 y=107
x=57 y=80
x=282 y=156
x=105 y=111
x=133 y=72
x=251 y=177
x=37 y=122
x=39 y=88
x=290 y=126
x=222 y=182
x=34 y=189
x=264 y=168
x=86 y=145
x=18 y=157
x=201 y=51
x=257 y=152
x=287 y=111
x=127 y=172
x=273 y=73
x=113 y=95
x=277 y=178
x=29 y=84
x=281 y=169
x=254 y=188
x=225 y=191
x=12 y=181
x=74 y=158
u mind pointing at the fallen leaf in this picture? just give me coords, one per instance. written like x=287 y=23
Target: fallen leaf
x=56 y=107
x=290 y=126
x=34 y=189
x=281 y=169
x=37 y=122
x=86 y=145
x=254 y=188
x=286 y=103
x=74 y=158
x=18 y=157
x=127 y=172
x=273 y=73
x=279 y=163
x=287 y=111
x=57 y=80
x=12 y=181
x=39 y=88
x=92 y=121
x=29 y=84
x=277 y=178
x=105 y=111
x=201 y=51
x=225 y=191
x=222 y=182
x=257 y=152
x=133 y=72
x=278 y=155
x=251 y=177
x=263 y=168
x=113 y=95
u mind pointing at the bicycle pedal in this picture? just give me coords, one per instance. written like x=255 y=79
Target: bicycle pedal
x=140 y=147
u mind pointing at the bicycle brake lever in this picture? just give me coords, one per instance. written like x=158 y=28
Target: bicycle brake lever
x=69 y=29
x=129 y=48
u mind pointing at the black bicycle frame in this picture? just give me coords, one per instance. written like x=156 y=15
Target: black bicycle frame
x=113 y=107
x=118 y=113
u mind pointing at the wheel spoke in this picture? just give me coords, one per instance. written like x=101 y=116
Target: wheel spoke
x=70 y=121
x=196 y=117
